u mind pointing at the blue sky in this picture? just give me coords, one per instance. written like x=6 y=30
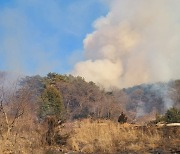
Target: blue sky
x=39 y=36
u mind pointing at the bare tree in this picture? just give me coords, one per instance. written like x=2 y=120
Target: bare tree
x=12 y=106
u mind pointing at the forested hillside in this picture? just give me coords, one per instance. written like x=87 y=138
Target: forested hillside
x=83 y=99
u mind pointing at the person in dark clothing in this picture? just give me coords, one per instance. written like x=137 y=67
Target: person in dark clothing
x=122 y=118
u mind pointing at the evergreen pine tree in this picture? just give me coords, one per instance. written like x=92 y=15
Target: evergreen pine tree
x=51 y=103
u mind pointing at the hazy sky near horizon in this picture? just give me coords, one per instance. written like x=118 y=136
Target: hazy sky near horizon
x=38 y=36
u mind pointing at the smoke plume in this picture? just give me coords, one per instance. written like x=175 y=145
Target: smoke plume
x=136 y=42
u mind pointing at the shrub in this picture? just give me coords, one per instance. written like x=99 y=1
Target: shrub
x=172 y=115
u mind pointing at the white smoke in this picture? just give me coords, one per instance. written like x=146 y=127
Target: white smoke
x=164 y=91
x=137 y=42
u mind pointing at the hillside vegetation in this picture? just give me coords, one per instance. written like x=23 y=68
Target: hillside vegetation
x=83 y=99
x=66 y=113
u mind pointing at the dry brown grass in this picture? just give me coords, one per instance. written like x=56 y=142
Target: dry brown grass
x=110 y=137
x=24 y=138
x=23 y=143
x=89 y=136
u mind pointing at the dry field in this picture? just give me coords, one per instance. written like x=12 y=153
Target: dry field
x=110 y=137
x=87 y=136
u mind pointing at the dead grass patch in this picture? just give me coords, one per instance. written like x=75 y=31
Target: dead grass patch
x=109 y=137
